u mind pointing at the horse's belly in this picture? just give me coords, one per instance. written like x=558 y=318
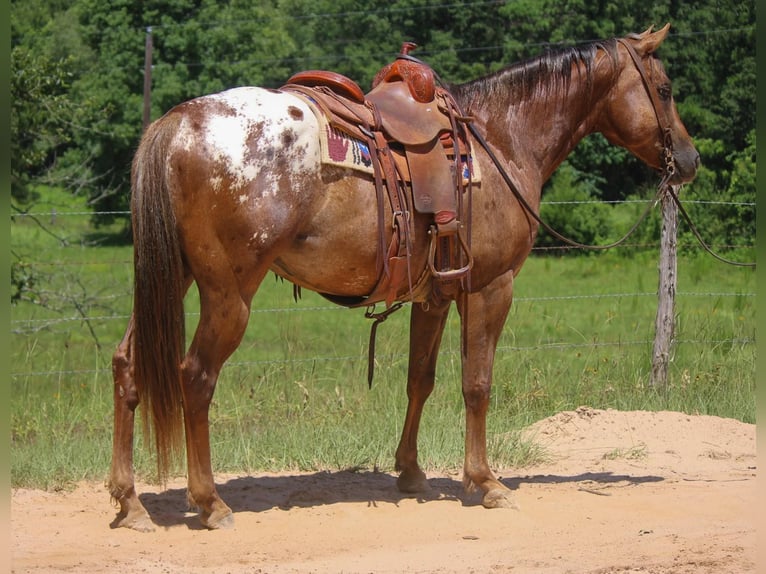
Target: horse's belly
x=332 y=261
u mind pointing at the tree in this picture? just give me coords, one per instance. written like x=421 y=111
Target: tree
x=40 y=116
x=202 y=46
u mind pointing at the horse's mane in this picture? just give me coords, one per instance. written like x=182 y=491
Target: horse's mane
x=540 y=76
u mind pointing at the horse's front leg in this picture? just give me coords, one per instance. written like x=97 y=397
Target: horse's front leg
x=486 y=314
x=426 y=328
x=121 y=482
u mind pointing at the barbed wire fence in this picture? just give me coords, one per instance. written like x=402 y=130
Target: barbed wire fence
x=78 y=308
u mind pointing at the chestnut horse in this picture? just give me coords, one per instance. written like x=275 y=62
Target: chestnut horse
x=228 y=187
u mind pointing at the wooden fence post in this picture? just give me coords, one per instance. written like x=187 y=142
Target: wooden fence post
x=148 y=77
x=664 y=325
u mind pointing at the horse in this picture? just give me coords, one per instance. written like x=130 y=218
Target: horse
x=228 y=187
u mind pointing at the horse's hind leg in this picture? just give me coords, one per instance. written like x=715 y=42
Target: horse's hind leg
x=224 y=314
x=487 y=311
x=426 y=328
x=121 y=482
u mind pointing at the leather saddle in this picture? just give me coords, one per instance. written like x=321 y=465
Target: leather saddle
x=419 y=148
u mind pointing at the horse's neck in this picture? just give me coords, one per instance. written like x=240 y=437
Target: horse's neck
x=537 y=132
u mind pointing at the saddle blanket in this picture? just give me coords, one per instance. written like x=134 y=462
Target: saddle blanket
x=343 y=150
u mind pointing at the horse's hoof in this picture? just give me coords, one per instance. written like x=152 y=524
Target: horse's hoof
x=219 y=520
x=140 y=522
x=413 y=482
x=499 y=499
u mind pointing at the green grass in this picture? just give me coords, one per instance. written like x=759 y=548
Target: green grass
x=294 y=395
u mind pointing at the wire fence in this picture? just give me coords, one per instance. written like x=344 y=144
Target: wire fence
x=68 y=314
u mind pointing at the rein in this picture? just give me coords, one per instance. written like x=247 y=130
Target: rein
x=528 y=208
x=514 y=187
x=671 y=190
x=663 y=187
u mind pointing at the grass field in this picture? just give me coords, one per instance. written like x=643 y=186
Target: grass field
x=295 y=396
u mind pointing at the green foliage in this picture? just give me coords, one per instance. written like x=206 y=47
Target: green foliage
x=203 y=46
x=40 y=116
x=22 y=280
x=742 y=181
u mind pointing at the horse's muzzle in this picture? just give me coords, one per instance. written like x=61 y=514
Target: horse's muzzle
x=686 y=162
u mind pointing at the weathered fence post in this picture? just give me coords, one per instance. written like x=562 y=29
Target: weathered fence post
x=664 y=326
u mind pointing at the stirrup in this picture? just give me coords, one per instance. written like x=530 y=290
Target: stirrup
x=437 y=234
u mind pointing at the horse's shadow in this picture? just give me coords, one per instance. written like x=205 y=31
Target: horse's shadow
x=261 y=493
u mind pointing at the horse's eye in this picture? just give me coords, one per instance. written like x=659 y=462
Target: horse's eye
x=664 y=91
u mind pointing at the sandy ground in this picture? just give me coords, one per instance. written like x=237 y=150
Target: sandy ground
x=624 y=492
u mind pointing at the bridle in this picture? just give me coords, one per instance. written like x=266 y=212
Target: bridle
x=669 y=170
x=663 y=122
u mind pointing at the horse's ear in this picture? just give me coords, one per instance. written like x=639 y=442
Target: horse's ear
x=649 y=41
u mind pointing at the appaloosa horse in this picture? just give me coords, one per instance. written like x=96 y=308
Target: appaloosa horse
x=228 y=187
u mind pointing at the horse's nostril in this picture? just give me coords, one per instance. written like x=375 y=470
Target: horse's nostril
x=697 y=161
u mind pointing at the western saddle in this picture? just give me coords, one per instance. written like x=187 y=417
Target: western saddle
x=420 y=155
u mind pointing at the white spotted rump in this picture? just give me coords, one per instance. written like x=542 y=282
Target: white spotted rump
x=246 y=132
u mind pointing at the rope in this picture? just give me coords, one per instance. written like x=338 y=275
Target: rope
x=670 y=190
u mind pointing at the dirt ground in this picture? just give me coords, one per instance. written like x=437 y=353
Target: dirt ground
x=623 y=492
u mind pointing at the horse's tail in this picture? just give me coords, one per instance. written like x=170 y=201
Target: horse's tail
x=158 y=313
